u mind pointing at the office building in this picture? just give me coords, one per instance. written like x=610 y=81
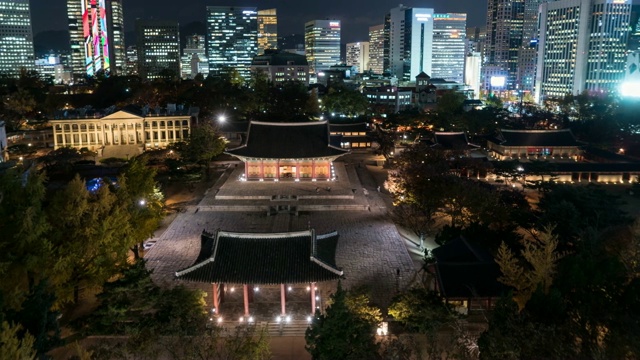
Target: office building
x=634 y=36
x=410 y=41
x=158 y=48
x=358 y=55
x=50 y=68
x=194 y=58
x=448 y=49
x=281 y=66
x=267 y=30
x=582 y=46
x=376 y=48
x=16 y=37
x=96 y=31
x=293 y=43
x=322 y=44
x=502 y=46
x=131 y=61
x=233 y=38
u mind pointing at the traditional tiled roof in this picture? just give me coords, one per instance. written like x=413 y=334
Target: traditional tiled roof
x=287 y=141
x=265 y=258
x=359 y=127
x=541 y=138
x=465 y=270
x=453 y=141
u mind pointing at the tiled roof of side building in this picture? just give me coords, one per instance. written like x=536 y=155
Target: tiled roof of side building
x=540 y=138
x=359 y=127
x=271 y=258
x=466 y=270
x=453 y=141
x=287 y=141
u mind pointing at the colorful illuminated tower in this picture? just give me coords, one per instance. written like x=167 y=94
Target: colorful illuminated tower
x=96 y=31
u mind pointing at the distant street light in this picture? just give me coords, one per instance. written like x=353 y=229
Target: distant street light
x=222 y=118
x=142 y=202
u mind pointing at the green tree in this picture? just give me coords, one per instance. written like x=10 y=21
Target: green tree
x=91 y=238
x=534 y=269
x=421 y=310
x=340 y=333
x=450 y=103
x=13 y=346
x=138 y=188
x=341 y=100
x=25 y=249
x=204 y=144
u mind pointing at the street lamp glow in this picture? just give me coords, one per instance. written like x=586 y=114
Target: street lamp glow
x=142 y=202
x=222 y=118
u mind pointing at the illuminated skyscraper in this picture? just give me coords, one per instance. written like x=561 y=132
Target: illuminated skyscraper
x=158 y=48
x=16 y=38
x=96 y=31
x=376 y=48
x=505 y=20
x=448 y=49
x=194 y=58
x=322 y=44
x=358 y=55
x=410 y=41
x=582 y=46
x=233 y=38
x=267 y=30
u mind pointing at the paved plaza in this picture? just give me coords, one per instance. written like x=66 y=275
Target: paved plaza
x=370 y=250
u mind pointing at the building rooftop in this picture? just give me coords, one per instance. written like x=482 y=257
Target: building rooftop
x=287 y=141
x=535 y=138
x=453 y=141
x=465 y=270
x=264 y=258
x=275 y=57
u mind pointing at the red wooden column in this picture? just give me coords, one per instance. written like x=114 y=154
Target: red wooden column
x=297 y=169
x=313 y=169
x=245 y=289
x=313 y=298
x=216 y=301
x=278 y=169
x=246 y=170
x=261 y=169
x=283 y=300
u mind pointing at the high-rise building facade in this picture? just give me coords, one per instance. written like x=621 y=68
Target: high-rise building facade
x=358 y=55
x=505 y=19
x=158 y=45
x=194 y=57
x=582 y=46
x=525 y=78
x=376 y=48
x=96 y=31
x=232 y=38
x=16 y=37
x=634 y=36
x=410 y=41
x=448 y=49
x=322 y=44
x=267 y=30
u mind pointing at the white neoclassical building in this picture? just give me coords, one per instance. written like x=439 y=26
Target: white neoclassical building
x=121 y=129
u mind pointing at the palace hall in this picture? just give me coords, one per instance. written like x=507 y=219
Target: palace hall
x=288 y=151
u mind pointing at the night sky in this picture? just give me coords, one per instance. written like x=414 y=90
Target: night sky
x=356 y=15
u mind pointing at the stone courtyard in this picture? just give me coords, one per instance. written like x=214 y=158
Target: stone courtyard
x=370 y=250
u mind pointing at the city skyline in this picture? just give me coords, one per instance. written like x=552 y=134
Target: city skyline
x=355 y=16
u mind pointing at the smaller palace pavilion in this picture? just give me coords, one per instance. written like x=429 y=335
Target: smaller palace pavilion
x=275 y=261
x=288 y=151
